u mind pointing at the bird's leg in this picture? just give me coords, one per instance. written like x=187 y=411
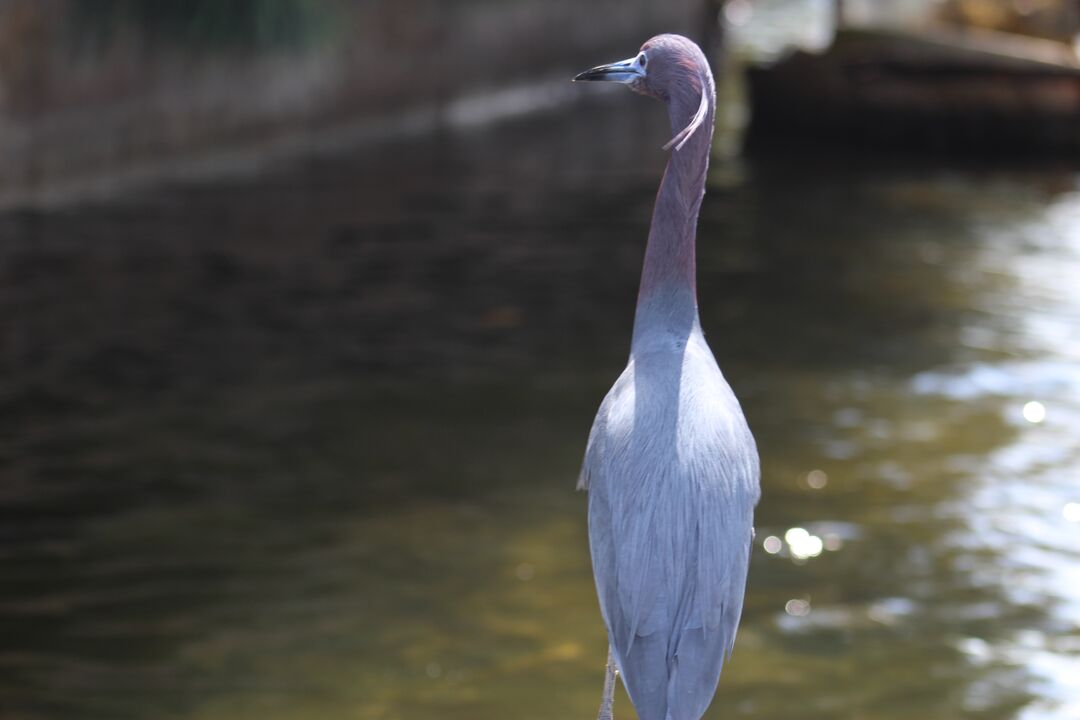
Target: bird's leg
x=607 y=701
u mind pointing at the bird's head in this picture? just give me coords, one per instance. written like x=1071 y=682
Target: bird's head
x=670 y=68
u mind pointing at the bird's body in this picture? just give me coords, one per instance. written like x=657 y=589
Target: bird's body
x=671 y=466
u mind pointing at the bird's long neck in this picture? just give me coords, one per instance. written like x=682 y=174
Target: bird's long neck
x=667 y=298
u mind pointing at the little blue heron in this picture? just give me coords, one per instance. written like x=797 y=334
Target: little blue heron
x=671 y=467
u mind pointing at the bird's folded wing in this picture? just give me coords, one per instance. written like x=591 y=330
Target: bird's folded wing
x=671 y=561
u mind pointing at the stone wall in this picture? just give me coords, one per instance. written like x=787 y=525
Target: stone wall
x=96 y=90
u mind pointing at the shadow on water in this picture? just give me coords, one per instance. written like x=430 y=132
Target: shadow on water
x=304 y=445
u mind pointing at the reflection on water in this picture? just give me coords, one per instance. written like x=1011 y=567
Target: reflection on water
x=304 y=446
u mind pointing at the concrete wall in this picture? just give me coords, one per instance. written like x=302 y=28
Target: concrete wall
x=89 y=94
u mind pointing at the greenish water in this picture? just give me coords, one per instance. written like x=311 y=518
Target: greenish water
x=305 y=446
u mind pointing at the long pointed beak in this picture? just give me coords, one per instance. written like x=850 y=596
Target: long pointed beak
x=624 y=71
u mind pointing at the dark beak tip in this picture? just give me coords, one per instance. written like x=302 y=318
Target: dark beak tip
x=593 y=75
x=617 y=72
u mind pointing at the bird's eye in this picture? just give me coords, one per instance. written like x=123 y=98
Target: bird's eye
x=643 y=60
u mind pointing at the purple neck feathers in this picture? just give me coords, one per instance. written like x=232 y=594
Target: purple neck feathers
x=667 y=298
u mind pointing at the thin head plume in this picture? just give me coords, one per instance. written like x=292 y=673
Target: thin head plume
x=683 y=135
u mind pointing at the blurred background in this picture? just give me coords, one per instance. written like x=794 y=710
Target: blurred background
x=306 y=308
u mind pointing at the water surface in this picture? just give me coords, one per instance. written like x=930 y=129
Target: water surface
x=304 y=445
